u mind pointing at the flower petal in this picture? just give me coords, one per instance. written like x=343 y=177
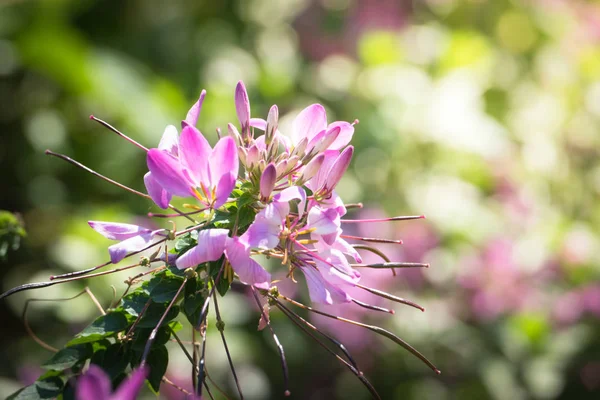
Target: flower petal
x=292 y=193
x=194 y=112
x=249 y=271
x=345 y=135
x=169 y=141
x=319 y=180
x=160 y=196
x=120 y=250
x=117 y=230
x=93 y=385
x=168 y=172
x=262 y=234
x=223 y=159
x=130 y=387
x=325 y=221
x=308 y=123
x=195 y=150
x=210 y=247
x=224 y=189
x=321 y=291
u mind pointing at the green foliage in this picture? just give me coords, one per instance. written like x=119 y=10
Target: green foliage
x=42 y=389
x=158 y=359
x=104 y=326
x=11 y=233
x=69 y=357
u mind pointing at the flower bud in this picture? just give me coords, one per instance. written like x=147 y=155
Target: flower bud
x=311 y=169
x=233 y=132
x=340 y=165
x=267 y=182
x=300 y=148
x=272 y=120
x=242 y=108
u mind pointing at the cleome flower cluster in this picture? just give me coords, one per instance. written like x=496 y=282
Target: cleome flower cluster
x=258 y=193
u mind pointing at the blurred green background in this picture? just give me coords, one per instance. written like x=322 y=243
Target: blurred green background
x=482 y=115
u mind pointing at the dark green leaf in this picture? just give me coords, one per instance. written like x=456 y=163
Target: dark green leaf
x=141 y=337
x=163 y=288
x=154 y=313
x=135 y=302
x=184 y=243
x=114 y=359
x=103 y=326
x=69 y=357
x=192 y=301
x=47 y=388
x=245 y=199
x=158 y=359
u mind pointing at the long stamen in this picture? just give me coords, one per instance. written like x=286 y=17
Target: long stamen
x=115 y=130
x=353 y=369
x=403 y=218
x=375 y=251
x=374 y=240
x=221 y=328
x=372 y=307
x=391 y=265
x=391 y=297
x=375 y=329
x=279 y=346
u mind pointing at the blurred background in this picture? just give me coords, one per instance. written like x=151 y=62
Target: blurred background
x=482 y=115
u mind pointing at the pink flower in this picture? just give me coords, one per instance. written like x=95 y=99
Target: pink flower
x=95 y=385
x=132 y=237
x=200 y=171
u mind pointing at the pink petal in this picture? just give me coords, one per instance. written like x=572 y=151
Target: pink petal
x=224 y=189
x=292 y=193
x=321 y=291
x=319 y=180
x=322 y=140
x=160 y=196
x=262 y=234
x=120 y=250
x=195 y=151
x=168 y=172
x=194 y=112
x=249 y=271
x=130 y=387
x=308 y=123
x=169 y=141
x=336 y=269
x=93 y=385
x=210 y=247
x=345 y=135
x=258 y=123
x=116 y=230
x=223 y=159
x=325 y=221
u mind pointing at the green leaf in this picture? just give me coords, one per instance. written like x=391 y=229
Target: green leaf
x=158 y=359
x=223 y=284
x=47 y=388
x=134 y=303
x=192 y=301
x=114 y=359
x=245 y=199
x=69 y=357
x=103 y=326
x=154 y=314
x=141 y=337
x=185 y=243
x=163 y=288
